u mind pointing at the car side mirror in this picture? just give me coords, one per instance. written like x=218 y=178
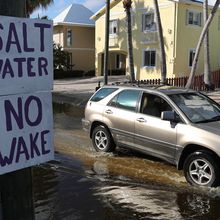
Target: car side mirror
x=169 y=116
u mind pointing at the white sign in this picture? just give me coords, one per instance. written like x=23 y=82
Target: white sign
x=25 y=130
x=26 y=78
x=26 y=55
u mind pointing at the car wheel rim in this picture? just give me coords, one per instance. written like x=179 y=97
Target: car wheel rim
x=201 y=172
x=101 y=140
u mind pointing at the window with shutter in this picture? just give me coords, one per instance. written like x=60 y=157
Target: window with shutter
x=148 y=22
x=69 y=37
x=149 y=58
x=194 y=18
x=113 y=27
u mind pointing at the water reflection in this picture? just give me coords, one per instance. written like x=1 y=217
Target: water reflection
x=87 y=185
x=194 y=206
x=67 y=189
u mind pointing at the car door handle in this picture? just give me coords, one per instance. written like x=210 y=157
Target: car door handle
x=108 y=111
x=141 y=120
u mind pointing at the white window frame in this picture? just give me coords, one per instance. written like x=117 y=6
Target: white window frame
x=152 y=26
x=143 y=58
x=113 y=27
x=192 y=50
x=69 y=43
x=195 y=16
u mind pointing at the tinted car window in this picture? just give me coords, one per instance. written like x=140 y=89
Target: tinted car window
x=102 y=93
x=126 y=100
x=113 y=102
x=153 y=105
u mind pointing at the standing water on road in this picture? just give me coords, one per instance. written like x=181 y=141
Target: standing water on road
x=83 y=184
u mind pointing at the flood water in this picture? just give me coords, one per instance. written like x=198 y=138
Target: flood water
x=83 y=184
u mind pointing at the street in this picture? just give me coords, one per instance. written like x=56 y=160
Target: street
x=83 y=184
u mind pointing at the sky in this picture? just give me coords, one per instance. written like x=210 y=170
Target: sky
x=59 y=5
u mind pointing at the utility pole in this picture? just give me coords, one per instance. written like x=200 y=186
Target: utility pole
x=16 y=187
x=106 y=57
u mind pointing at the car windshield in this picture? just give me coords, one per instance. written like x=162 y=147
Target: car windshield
x=197 y=107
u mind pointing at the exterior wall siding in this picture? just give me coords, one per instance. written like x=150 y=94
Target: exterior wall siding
x=179 y=38
x=82 y=48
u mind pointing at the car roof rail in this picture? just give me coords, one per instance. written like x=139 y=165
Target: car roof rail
x=140 y=83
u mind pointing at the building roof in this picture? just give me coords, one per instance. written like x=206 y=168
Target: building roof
x=76 y=15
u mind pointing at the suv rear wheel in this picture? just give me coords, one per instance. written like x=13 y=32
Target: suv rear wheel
x=201 y=169
x=102 y=140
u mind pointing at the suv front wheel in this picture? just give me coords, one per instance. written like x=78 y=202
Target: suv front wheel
x=102 y=140
x=201 y=169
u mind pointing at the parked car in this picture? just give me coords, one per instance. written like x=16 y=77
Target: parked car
x=177 y=125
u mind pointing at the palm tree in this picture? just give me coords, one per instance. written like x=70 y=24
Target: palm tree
x=161 y=43
x=31 y=5
x=127 y=5
x=199 y=45
x=207 y=72
x=12 y=8
x=22 y=8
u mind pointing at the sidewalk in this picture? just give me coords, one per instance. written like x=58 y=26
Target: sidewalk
x=78 y=91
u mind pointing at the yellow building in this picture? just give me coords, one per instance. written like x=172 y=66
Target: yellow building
x=182 y=23
x=75 y=32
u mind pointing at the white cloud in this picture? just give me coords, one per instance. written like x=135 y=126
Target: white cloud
x=94 y=5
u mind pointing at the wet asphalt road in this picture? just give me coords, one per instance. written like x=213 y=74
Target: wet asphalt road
x=83 y=184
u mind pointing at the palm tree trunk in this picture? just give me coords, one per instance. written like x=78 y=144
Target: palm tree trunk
x=207 y=72
x=199 y=45
x=161 y=44
x=127 y=6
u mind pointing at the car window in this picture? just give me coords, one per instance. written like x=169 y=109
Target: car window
x=102 y=93
x=153 y=105
x=113 y=102
x=197 y=107
x=126 y=99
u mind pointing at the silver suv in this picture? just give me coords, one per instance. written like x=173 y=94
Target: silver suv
x=177 y=125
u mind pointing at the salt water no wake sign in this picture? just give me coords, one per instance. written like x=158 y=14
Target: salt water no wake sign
x=26 y=79
x=26 y=55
